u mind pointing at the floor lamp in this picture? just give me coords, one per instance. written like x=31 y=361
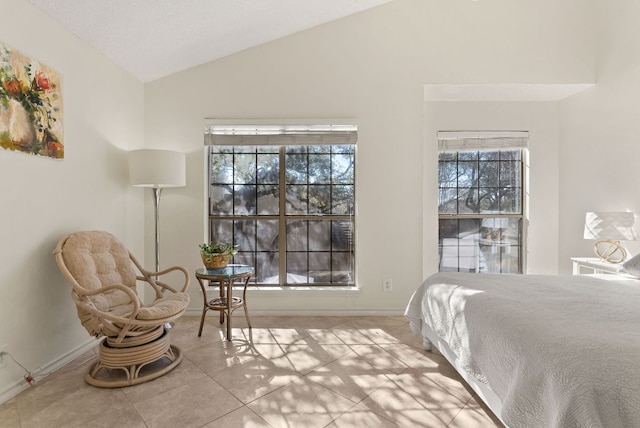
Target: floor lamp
x=157 y=169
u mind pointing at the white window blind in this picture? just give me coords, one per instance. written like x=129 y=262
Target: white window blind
x=257 y=135
x=460 y=141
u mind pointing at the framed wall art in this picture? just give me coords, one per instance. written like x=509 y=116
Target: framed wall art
x=30 y=106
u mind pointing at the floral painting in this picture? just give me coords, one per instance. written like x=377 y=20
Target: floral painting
x=30 y=106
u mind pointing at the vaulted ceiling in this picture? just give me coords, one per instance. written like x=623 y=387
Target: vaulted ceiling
x=155 y=38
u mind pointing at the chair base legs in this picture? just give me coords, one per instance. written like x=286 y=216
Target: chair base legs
x=138 y=363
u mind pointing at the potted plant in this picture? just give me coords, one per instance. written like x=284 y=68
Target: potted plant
x=216 y=255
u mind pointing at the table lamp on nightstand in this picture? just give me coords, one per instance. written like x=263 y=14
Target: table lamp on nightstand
x=609 y=228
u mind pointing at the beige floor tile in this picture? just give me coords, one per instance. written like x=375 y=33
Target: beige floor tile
x=9 y=415
x=379 y=357
x=474 y=417
x=212 y=358
x=242 y=417
x=190 y=405
x=351 y=336
x=360 y=416
x=350 y=376
x=71 y=407
x=321 y=336
x=429 y=393
x=252 y=335
x=55 y=400
x=305 y=358
x=380 y=335
x=128 y=417
x=186 y=322
x=404 y=334
x=372 y=322
x=291 y=329
x=56 y=384
x=184 y=334
x=415 y=358
x=393 y=403
x=400 y=318
x=254 y=378
x=185 y=373
x=302 y=403
x=288 y=371
x=299 y=322
x=213 y=331
x=269 y=350
x=239 y=320
x=288 y=335
x=444 y=377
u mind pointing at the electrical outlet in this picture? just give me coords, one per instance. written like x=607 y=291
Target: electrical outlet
x=4 y=358
x=387 y=284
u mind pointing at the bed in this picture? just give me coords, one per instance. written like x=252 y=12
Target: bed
x=540 y=350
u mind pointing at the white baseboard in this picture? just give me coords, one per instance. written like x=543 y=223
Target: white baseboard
x=18 y=387
x=386 y=312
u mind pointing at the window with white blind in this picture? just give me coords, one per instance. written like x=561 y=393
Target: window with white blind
x=285 y=195
x=481 y=201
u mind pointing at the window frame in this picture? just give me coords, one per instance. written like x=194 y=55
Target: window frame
x=470 y=141
x=282 y=218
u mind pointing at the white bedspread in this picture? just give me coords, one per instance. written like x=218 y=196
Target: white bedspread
x=559 y=351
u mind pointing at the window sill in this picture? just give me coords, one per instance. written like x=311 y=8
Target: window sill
x=305 y=289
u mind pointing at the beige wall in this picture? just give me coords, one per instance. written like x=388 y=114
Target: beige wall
x=41 y=199
x=371 y=67
x=600 y=133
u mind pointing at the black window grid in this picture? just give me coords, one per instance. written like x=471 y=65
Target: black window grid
x=252 y=256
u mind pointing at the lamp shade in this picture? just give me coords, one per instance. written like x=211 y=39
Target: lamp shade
x=157 y=168
x=617 y=226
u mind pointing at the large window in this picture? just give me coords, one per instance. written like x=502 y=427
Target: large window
x=481 y=202
x=288 y=207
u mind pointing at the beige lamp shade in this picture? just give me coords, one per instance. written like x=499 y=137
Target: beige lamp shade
x=613 y=225
x=157 y=168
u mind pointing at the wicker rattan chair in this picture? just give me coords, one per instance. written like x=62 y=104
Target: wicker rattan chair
x=104 y=276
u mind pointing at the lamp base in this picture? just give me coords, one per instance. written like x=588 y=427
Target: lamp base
x=610 y=251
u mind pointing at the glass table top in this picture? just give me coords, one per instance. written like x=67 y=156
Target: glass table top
x=227 y=271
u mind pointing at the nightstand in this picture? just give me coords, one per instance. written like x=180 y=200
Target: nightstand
x=591 y=265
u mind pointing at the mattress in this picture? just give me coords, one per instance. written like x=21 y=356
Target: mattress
x=557 y=351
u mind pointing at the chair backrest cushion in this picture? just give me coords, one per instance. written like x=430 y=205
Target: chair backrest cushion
x=96 y=259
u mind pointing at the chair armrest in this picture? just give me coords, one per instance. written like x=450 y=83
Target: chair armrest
x=159 y=286
x=132 y=295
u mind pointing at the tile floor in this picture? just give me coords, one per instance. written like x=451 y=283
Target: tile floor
x=285 y=372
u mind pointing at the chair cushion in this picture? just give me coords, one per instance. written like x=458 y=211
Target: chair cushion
x=96 y=259
x=165 y=307
x=161 y=309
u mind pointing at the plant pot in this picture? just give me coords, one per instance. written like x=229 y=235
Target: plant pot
x=215 y=261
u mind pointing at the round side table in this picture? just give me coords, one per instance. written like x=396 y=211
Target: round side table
x=226 y=303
